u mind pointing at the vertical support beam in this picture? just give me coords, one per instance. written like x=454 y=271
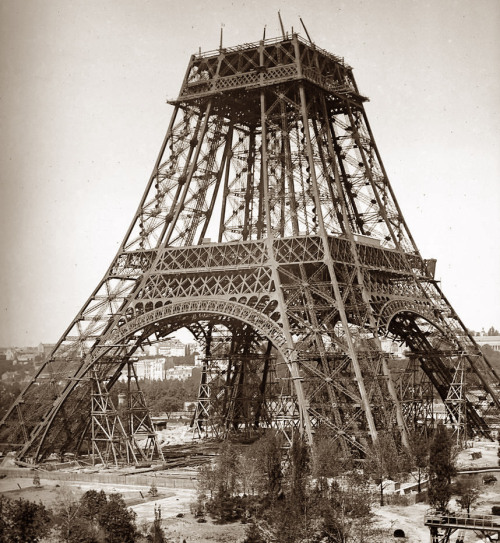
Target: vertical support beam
x=359 y=273
x=224 y=165
x=225 y=190
x=191 y=168
x=263 y=384
x=288 y=168
x=249 y=188
x=292 y=358
x=201 y=413
x=329 y=263
x=455 y=402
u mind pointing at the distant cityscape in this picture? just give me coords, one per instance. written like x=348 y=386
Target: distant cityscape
x=171 y=359
x=167 y=360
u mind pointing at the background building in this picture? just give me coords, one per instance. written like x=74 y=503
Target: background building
x=492 y=341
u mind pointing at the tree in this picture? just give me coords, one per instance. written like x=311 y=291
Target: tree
x=117 y=521
x=153 y=490
x=261 y=466
x=8 y=393
x=67 y=513
x=419 y=451
x=253 y=534
x=157 y=535
x=227 y=469
x=348 y=515
x=327 y=458
x=492 y=356
x=271 y=454
x=94 y=518
x=250 y=471
x=441 y=469
x=289 y=513
x=222 y=480
x=384 y=461
x=78 y=520
x=468 y=492
x=164 y=396
x=287 y=509
x=338 y=511
x=207 y=479
x=299 y=471
x=22 y=521
x=92 y=503
x=257 y=471
x=167 y=404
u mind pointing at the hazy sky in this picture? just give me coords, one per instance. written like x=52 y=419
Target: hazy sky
x=83 y=112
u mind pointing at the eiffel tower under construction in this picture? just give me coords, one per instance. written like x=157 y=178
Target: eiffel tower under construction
x=268 y=229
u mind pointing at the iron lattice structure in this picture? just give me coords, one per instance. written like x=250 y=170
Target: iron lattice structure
x=269 y=229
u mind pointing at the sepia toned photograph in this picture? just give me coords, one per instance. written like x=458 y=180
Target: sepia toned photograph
x=250 y=281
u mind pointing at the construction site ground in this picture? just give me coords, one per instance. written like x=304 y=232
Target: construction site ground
x=176 y=499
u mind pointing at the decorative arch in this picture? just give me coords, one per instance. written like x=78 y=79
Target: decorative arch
x=201 y=306
x=419 y=309
x=204 y=308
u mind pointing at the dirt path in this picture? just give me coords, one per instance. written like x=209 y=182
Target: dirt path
x=410 y=519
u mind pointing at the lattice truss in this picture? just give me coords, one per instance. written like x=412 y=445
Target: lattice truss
x=269 y=229
x=120 y=433
x=242 y=388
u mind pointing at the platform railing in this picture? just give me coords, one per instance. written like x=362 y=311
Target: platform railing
x=478 y=522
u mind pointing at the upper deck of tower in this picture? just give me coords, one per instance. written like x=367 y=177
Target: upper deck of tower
x=255 y=65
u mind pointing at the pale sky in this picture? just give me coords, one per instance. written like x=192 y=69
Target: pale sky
x=83 y=113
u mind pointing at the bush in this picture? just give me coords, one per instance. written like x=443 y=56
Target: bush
x=399 y=499
x=117 y=520
x=252 y=534
x=225 y=508
x=495 y=510
x=23 y=521
x=153 y=490
x=421 y=497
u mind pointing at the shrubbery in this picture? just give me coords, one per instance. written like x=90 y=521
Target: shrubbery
x=441 y=469
x=94 y=518
x=23 y=521
x=287 y=501
x=163 y=396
